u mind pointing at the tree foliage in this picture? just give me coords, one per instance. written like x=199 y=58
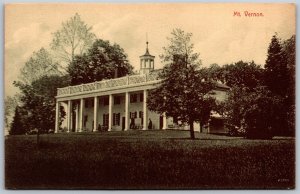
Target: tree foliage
x=262 y=101
x=262 y=113
x=276 y=70
x=10 y=103
x=39 y=64
x=102 y=61
x=74 y=38
x=180 y=45
x=289 y=47
x=17 y=127
x=38 y=102
x=255 y=110
x=280 y=77
x=184 y=91
x=214 y=72
x=242 y=74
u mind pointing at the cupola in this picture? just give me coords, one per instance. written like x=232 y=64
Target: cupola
x=146 y=62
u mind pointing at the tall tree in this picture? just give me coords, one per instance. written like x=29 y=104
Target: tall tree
x=38 y=101
x=17 y=127
x=184 y=91
x=72 y=39
x=39 y=64
x=280 y=78
x=102 y=61
x=276 y=70
x=289 y=47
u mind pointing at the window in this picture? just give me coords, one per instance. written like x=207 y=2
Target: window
x=141 y=97
x=105 y=119
x=116 y=119
x=141 y=114
x=85 y=121
x=86 y=104
x=106 y=101
x=117 y=100
x=133 y=115
x=133 y=98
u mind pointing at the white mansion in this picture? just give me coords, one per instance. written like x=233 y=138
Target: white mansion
x=120 y=104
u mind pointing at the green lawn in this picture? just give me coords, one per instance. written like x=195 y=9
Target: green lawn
x=148 y=160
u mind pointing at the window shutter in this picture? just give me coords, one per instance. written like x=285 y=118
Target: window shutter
x=119 y=118
x=114 y=118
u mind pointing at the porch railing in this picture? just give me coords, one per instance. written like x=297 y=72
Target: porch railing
x=111 y=83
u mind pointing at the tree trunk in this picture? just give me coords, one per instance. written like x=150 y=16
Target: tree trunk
x=192 y=129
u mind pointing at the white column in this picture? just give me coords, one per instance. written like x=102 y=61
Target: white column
x=164 y=121
x=95 y=113
x=69 y=109
x=145 y=123
x=57 y=117
x=77 y=117
x=81 y=115
x=126 y=111
x=71 y=122
x=110 y=112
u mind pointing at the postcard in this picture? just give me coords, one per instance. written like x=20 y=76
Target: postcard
x=149 y=95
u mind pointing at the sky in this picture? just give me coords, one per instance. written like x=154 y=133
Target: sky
x=218 y=35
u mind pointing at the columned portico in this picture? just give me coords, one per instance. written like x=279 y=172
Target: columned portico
x=109 y=109
x=145 y=111
x=95 y=113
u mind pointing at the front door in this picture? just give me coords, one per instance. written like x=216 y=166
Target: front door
x=161 y=120
x=73 y=121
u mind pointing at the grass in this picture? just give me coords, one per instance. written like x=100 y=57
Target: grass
x=148 y=160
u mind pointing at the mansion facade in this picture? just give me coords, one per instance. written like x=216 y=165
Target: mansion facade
x=120 y=104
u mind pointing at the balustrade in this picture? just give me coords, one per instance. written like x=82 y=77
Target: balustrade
x=123 y=81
